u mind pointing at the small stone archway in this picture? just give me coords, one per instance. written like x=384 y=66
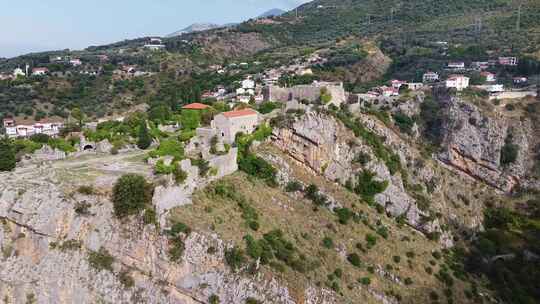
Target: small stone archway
x=89 y=147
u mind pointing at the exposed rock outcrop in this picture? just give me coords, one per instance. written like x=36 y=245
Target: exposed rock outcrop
x=46 y=244
x=324 y=145
x=473 y=142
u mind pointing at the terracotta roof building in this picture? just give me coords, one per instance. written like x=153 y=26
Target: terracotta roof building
x=195 y=106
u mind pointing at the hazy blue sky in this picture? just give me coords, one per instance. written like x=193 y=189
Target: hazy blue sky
x=39 y=25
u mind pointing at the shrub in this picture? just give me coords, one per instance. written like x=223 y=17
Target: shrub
x=365 y=281
x=397 y=259
x=144 y=139
x=101 y=260
x=253 y=301
x=150 y=216
x=367 y=188
x=213 y=299
x=328 y=242
x=362 y=158
x=178 y=228
x=293 y=186
x=436 y=254
x=126 y=279
x=169 y=147
x=371 y=240
x=408 y=281
x=176 y=249
x=235 y=258
x=382 y=231
x=338 y=273
x=180 y=175
x=40 y=138
x=7 y=156
x=509 y=151
x=87 y=190
x=404 y=122
x=344 y=215
x=82 y=208
x=354 y=259
x=131 y=194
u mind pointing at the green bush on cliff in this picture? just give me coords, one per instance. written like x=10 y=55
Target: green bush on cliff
x=131 y=194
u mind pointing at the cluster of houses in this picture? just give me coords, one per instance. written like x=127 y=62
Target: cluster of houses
x=154 y=44
x=15 y=129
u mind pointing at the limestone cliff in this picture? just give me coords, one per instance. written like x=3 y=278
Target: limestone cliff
x=473 y=140
x=48 y=230
x=327 y=147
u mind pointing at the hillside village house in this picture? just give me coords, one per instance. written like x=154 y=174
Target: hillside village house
x=231 y=123
x=75 y=62
x=25 y=129
x=18 y=72
x=430 y=77
x=396 y=84
x=509 y=61
x=520 y=80
x=490 y=77
x=40 y=71
x=195 y=106
x=480 y=65
x=459 y=82
x=459 y=65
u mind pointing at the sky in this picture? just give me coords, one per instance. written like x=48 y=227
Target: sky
x=43 y=25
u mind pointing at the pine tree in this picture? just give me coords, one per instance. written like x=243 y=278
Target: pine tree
x=145 y=140
x=7 y=156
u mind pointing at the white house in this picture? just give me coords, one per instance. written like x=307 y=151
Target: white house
x=414 y=86
x=248 y=84
x=510 y=61
x=490 y=77
x=456 y=65
x=40 y=71
x=495 y=88
x=49 y=127
x=430 y=77
x=231 y=123
x=459 y=82
x=75 y=62
x=154 y=47
x=18 y=72
x=396 y=84
x=389 y=91
x=520 y=80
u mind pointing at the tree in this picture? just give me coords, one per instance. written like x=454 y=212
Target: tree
x=131 y=194
x=145 y=140
x=190 y=119
x=78 y=115
x=7 y=156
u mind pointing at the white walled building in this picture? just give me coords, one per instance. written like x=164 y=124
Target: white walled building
x=459 y=82
x=231 y=123
x=430 y=77
x=49 y=127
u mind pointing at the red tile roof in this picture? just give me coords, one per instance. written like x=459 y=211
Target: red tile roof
x=195 y=106
x=239 y=113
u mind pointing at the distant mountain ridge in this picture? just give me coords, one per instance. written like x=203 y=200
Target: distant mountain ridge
x=272 y=13
x=200 y=27
x=195 y=27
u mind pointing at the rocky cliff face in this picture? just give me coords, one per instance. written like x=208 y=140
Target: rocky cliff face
x=46 y=240
x=473 y=142
x=327 y=147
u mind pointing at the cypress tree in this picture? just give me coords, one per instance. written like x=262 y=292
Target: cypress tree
x=145 y=140
x=7 y=156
